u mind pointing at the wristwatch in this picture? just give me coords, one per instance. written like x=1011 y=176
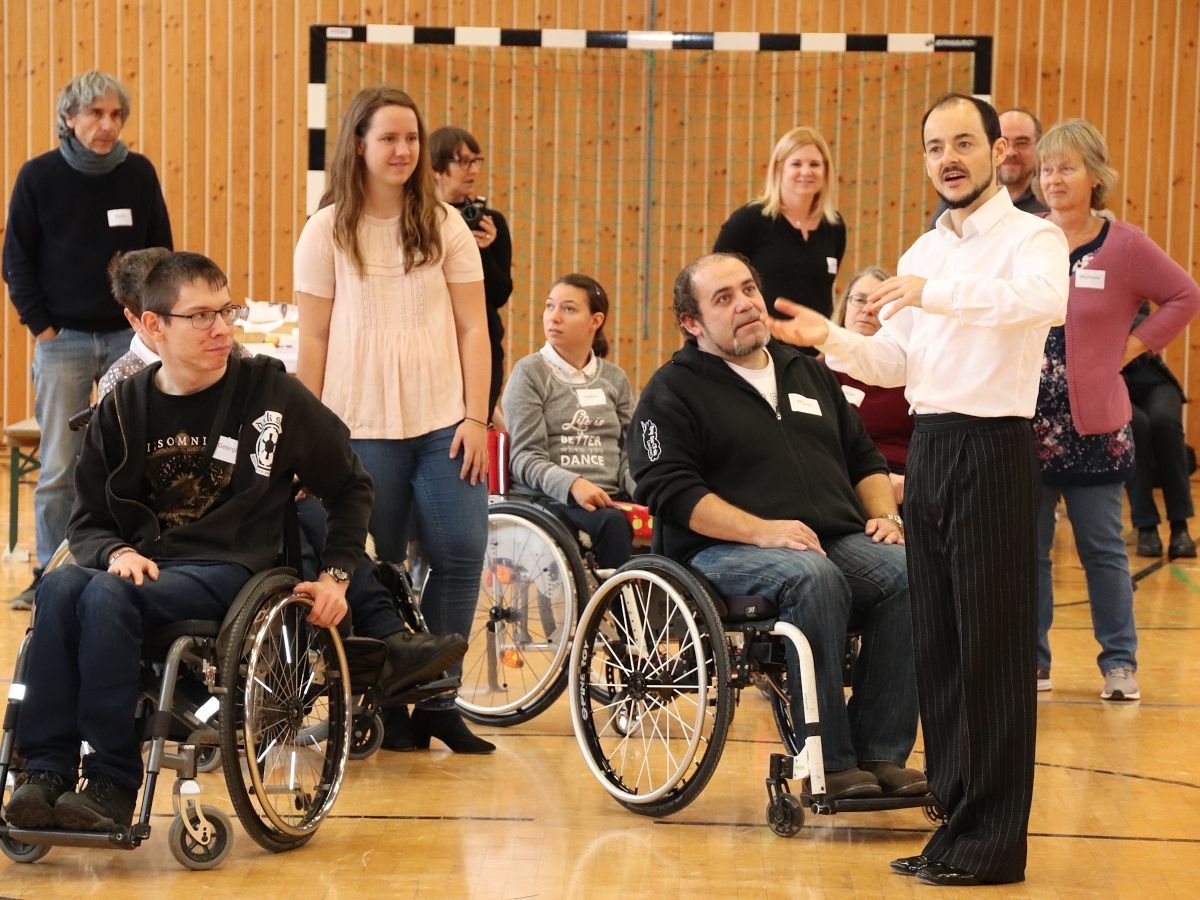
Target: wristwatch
x=892 y=517
x=341 y=576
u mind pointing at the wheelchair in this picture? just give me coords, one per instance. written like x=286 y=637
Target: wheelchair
x=657 y=668
x=265 y=688
x=537 y=573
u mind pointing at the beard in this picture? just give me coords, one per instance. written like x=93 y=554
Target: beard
x=970 y=198
x=1006 y=178
x=738 y=349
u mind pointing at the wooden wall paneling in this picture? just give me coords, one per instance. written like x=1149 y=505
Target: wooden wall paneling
x=22 y=73
x=128 y=68
x=219 y=142
x=62 y=60
x=1116 y=80
x=627 y=72
x=84 y=45
x=151 y=125
x=234 y=115
x=1050 y=66
x=257 y=180
x=1137 y=121
x=1155 y=176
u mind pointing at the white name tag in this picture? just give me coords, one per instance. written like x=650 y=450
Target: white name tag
x=1090 y=278
x=118 y=218
x=855 y=396
x=803 y=404
x=831 y=264
x=590 y=396
x=226 y=450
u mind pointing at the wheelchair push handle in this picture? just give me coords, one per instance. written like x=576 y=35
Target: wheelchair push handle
x=80 y=420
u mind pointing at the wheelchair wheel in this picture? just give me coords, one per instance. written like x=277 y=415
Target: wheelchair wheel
x=285 y=716
x=785 y=815
x=781 y=708
x=209 y=849
x=20 y=852
x=366 y=735
x=516 y=663
x=653 y=734
x=208 y=759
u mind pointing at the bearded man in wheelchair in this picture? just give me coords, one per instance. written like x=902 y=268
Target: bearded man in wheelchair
x=181 y=490
x=762 y=477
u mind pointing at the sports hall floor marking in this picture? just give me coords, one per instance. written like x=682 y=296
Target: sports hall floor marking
x=1143 y=839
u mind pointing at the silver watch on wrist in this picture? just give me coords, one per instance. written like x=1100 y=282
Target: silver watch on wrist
x=341 y=576
x=893 y=517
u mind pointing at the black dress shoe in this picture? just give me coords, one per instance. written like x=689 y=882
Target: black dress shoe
x=1149 y=543
x=1181 y=546
x=910 y=865
x=945 y=875
x=413 y=658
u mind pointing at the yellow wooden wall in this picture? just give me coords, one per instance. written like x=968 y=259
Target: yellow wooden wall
x=220 y=108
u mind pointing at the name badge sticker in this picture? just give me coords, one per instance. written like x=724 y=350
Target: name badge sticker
x=854 y=396
x=226 y=450
x=831 y=264
x=590 y=396
x=802 y=404
x=1090 y=278
x=120 y=218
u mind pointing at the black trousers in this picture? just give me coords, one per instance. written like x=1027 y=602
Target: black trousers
x=609 y=530
x=1158 y=444
x=970 y=514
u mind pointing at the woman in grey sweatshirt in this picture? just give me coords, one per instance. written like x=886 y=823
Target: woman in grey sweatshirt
x=567 y=410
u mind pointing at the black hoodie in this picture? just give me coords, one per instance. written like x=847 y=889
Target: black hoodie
x=303 y=438
x=700 y=428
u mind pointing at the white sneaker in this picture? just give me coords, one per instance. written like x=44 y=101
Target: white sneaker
x=1119 y=684
x=1043 y=680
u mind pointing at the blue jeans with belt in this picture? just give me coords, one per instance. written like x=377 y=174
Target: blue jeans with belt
x=451 y=513
x=859 y=585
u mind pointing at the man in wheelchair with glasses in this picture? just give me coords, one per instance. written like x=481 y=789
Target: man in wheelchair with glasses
x=762 y=477
x=181 y=488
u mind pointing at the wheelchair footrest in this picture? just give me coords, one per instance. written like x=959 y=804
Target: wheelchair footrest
x=419 y=692
x=869 y=804
x=124 y=839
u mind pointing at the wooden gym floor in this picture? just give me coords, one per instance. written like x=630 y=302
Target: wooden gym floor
x=1116 y=808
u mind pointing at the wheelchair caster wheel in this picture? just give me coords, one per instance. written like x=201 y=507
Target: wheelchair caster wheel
x=935 y=814
x=366 y=735
x=21 y=852
x=785 y=815
x=209 y=849
x=208 y=759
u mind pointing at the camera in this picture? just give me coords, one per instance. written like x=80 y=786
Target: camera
x=472 y=212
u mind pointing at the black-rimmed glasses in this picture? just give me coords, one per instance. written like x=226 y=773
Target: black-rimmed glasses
x=468 y=162
x=206 y=318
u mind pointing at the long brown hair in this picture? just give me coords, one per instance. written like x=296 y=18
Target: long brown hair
x=597 y=299
x=419 y=232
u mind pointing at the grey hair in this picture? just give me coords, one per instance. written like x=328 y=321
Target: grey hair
x=1084 y=138
x=839 y=307
x=83 y=90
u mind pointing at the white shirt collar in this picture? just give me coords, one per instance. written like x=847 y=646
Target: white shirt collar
x=144 y=353
x=980 y=221
x=567 y=372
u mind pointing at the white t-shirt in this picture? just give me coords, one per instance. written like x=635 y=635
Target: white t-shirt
x=762 y=380
x=392 y=369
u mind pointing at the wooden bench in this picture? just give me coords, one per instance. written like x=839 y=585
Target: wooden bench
x=23 y=439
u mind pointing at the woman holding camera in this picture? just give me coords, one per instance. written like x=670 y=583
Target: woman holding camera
x=457 y=163
x=393 y=337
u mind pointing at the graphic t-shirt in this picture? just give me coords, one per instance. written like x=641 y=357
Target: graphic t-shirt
x=184 y=481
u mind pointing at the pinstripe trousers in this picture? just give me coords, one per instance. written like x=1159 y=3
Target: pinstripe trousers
x=970 y=510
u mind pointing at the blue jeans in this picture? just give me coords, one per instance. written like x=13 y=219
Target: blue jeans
x=81 y=678
x=64 y=370
x=418 y=473
x=859 y=586
x=1095 y=513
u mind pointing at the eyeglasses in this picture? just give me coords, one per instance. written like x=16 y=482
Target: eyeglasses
x=468 y=162
x=205 y=319
x=859 y=300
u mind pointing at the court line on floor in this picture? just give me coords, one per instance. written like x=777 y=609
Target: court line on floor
x=876 y=828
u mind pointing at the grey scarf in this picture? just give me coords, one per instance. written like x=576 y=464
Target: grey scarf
x=81 y=159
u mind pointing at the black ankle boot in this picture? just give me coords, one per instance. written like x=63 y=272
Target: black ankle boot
x=398 y=730
x=448 y=727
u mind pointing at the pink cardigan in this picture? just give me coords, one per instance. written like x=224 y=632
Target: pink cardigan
x=1098 y=321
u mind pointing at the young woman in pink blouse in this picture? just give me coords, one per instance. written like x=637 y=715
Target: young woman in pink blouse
x=393 y=337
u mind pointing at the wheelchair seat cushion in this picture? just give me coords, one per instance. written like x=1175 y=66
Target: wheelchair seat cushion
x=748 y=609
x=156 y=643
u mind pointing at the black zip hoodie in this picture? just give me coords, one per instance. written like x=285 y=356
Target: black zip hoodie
x=306 y=440
x=699 y=428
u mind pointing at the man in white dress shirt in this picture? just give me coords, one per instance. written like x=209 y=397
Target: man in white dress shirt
x=964 y=325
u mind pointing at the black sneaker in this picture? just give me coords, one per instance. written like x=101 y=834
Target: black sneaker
x=103 y=805
x=24 y=600
x=32 y=803
x=1182 y=546
x=1149 y=543
x=413 y=658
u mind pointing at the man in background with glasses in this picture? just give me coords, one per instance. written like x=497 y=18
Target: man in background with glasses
x=181 y=487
